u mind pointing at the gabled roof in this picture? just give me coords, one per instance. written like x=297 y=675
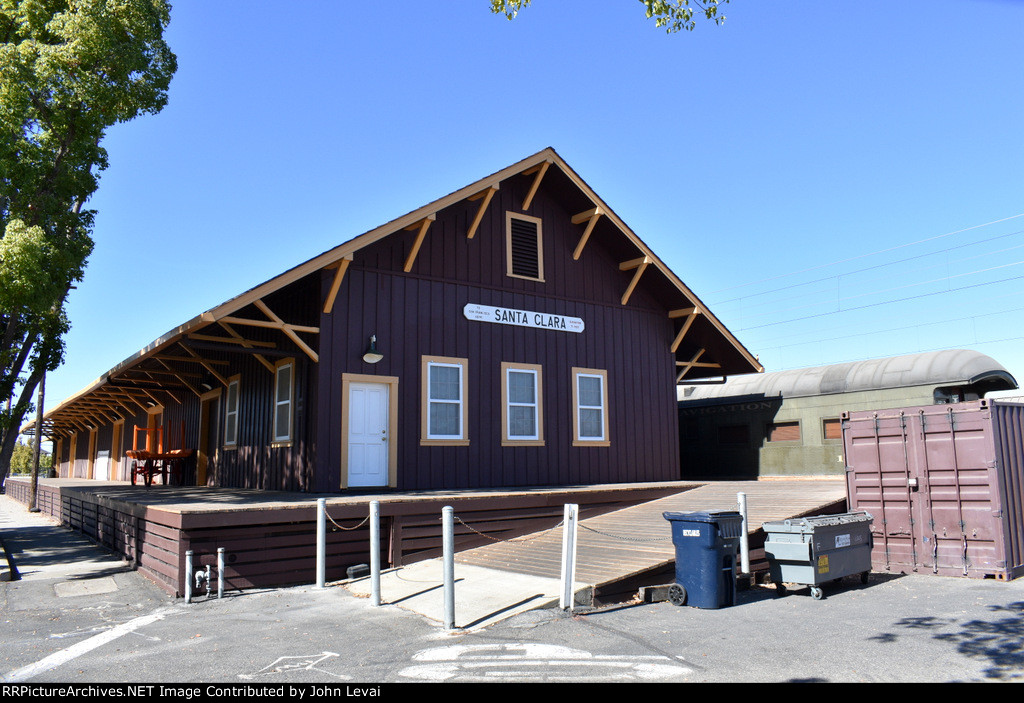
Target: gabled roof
x=937 y=368
x=718 y=353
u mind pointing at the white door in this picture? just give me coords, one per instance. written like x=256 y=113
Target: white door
x=368 y=438
x=101 y=467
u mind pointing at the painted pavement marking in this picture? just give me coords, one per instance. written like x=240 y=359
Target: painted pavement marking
x=283 y=665
x=537 y=662
x=76 y=650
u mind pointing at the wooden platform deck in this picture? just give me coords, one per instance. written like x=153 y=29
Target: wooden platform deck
x=270 y=537
x=621 y=550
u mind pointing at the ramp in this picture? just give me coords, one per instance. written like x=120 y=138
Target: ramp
x=616 y=552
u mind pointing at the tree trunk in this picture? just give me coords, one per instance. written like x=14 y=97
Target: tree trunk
x=13 y=425
x=37 y=446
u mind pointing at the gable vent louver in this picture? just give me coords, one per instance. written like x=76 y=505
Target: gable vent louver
x=524 y=246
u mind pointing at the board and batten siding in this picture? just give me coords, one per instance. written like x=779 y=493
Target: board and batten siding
x=421 y=313
x=257 y=461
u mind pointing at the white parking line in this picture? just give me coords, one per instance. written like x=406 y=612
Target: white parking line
x=77 y=650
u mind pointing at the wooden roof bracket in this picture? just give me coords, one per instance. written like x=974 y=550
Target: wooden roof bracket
x=590 y=216
x=180 y=376
x=205 y=363
x=274 y=322
x=423 y=225
x=119 y=395
x=687 y=365
x=540 y=169
x=339 y=275
x=290 y=330
x=486 y=195
x=246 y=344
x=120 y=400
x=157 y=401
x=640 y=265
x=690 y=314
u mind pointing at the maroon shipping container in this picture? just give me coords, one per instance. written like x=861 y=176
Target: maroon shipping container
x=944 y=485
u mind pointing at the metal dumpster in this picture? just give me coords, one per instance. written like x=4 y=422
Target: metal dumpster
x=706 y=544
x=815 y=550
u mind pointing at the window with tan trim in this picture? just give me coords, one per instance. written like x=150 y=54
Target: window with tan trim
x=522 y=413
x=284 y=392
x=590 y=407
x=231 y=413
x=443 y=416
x=523 y=247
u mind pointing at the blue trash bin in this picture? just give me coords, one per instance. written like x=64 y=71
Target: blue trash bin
x=706 y=544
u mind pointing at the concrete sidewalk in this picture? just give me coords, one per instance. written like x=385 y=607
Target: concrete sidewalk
x=482 y=596
x=35 y=546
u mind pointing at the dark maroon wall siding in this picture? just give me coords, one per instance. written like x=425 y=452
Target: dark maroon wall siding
x=255 y=463
x=421 y=313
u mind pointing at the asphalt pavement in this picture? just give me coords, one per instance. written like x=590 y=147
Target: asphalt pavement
x=78 y=614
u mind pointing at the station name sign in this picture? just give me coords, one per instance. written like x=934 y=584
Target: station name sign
x=522 y=318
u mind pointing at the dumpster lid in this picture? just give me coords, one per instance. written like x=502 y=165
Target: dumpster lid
x=810 y=523
x=704 y=516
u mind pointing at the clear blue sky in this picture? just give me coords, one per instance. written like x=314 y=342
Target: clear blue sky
x=795 y=136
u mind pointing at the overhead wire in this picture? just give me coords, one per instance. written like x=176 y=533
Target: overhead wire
x=832 y=278
x=874 y=253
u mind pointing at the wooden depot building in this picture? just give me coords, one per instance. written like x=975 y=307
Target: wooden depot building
x=513 y=333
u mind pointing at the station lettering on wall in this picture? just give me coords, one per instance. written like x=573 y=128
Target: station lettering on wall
x=522 y=318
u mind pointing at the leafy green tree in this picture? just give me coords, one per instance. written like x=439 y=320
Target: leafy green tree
x=69 y=69
x=673 y=15
x=21 y=458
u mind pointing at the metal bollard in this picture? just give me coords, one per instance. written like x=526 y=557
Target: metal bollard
x=375 y=552
x=220 y=572
x=744 y=543
x=569 y=520
x=188 y=576
x=448 y=541
x=321 y=542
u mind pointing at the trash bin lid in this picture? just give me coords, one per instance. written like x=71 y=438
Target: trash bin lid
x=810 y=524
x=704 y=516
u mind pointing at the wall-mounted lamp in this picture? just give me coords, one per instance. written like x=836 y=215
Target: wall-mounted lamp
x=372 y=356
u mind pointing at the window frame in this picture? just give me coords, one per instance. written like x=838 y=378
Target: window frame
x=232 y=442
x=577 y=440
x=771 y=428
x=509 y=216
x=537 y=439
x=278 y=440
x=827 y=422
x=426 y=438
